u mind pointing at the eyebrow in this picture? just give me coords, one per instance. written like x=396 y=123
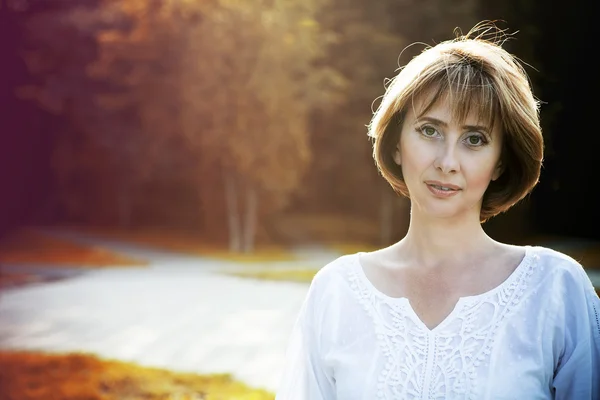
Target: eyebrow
x=445 y=125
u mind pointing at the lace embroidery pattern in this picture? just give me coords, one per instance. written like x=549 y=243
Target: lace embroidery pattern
x=438 y=364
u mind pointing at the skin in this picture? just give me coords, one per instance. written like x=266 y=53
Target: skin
x=434 y=147
x=446 y=254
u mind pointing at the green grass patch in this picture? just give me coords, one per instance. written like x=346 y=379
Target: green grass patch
x=304 y=275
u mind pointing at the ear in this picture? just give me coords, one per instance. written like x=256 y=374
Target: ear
x=498 y=171
x=397 y=155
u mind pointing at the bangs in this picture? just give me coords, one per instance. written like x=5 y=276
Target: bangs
x=468 y=91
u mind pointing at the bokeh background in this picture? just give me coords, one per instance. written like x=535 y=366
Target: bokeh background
x=205 y=115
x=160 y=135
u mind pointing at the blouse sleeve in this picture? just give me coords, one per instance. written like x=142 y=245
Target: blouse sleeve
x=577 y=375
x=304 y=375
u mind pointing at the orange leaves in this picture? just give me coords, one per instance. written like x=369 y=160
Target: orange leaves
x=33 y=247
x=40 y=376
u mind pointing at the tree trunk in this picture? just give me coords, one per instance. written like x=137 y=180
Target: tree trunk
x=250 y=219
x=233 y=215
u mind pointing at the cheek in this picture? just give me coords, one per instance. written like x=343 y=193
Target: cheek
x=412 y=166
x=417 y=159
x=480 y=173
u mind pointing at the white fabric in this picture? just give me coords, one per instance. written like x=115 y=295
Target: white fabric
x=535 y=336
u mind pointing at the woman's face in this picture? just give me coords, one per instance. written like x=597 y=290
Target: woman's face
x=447 y=165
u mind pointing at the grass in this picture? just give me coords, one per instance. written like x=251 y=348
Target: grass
x=189 y=243
x=43 y=376
x=351 y=248
x=30 y=247
x=304 y=275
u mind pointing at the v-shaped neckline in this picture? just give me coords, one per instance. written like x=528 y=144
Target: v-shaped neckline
x=404 y=301
x=419 y=321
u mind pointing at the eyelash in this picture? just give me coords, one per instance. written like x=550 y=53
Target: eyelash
x=481 y=136
x=483 y=139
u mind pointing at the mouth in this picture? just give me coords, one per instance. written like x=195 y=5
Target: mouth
x=446 y=187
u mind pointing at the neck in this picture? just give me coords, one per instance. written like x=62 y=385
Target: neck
x=438 y=242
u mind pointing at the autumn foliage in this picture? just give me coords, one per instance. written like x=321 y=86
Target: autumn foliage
x=31 y=247
x=218 y=115
x=42 y=376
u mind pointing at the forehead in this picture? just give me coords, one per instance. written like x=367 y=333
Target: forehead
x=462 y=105
x=460 y=84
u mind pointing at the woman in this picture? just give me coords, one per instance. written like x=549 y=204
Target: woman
x=448 y=312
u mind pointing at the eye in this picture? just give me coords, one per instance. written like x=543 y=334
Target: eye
x=476 y=140
x=428 y=131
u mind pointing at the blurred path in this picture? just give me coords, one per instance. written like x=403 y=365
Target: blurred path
x=178 y=318
x=179 y=313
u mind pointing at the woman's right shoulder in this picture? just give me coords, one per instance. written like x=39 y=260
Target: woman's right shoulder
x=335 y=271
x=332 y=286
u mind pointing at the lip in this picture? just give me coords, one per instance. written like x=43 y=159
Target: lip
x=438 y=183
x=442 y=194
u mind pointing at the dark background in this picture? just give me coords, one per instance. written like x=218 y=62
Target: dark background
x=559 y=35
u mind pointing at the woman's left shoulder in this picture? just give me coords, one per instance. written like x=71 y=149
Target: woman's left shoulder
x=556 y=261
x=564 y=268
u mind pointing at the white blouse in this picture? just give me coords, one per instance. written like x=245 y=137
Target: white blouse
x=535 y=336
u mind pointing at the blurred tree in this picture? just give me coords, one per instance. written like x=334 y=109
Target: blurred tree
x=363 y=47
x=138 y=61
x=56 y=51
x=236 y=80
x=240 y=100
x=248 y=85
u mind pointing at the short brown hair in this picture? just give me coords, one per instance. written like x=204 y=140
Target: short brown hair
x=469 y=71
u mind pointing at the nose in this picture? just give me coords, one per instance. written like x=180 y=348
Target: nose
x=447 y=159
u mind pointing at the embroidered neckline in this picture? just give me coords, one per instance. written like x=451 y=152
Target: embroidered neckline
x=412 y=352
x=514 y=276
